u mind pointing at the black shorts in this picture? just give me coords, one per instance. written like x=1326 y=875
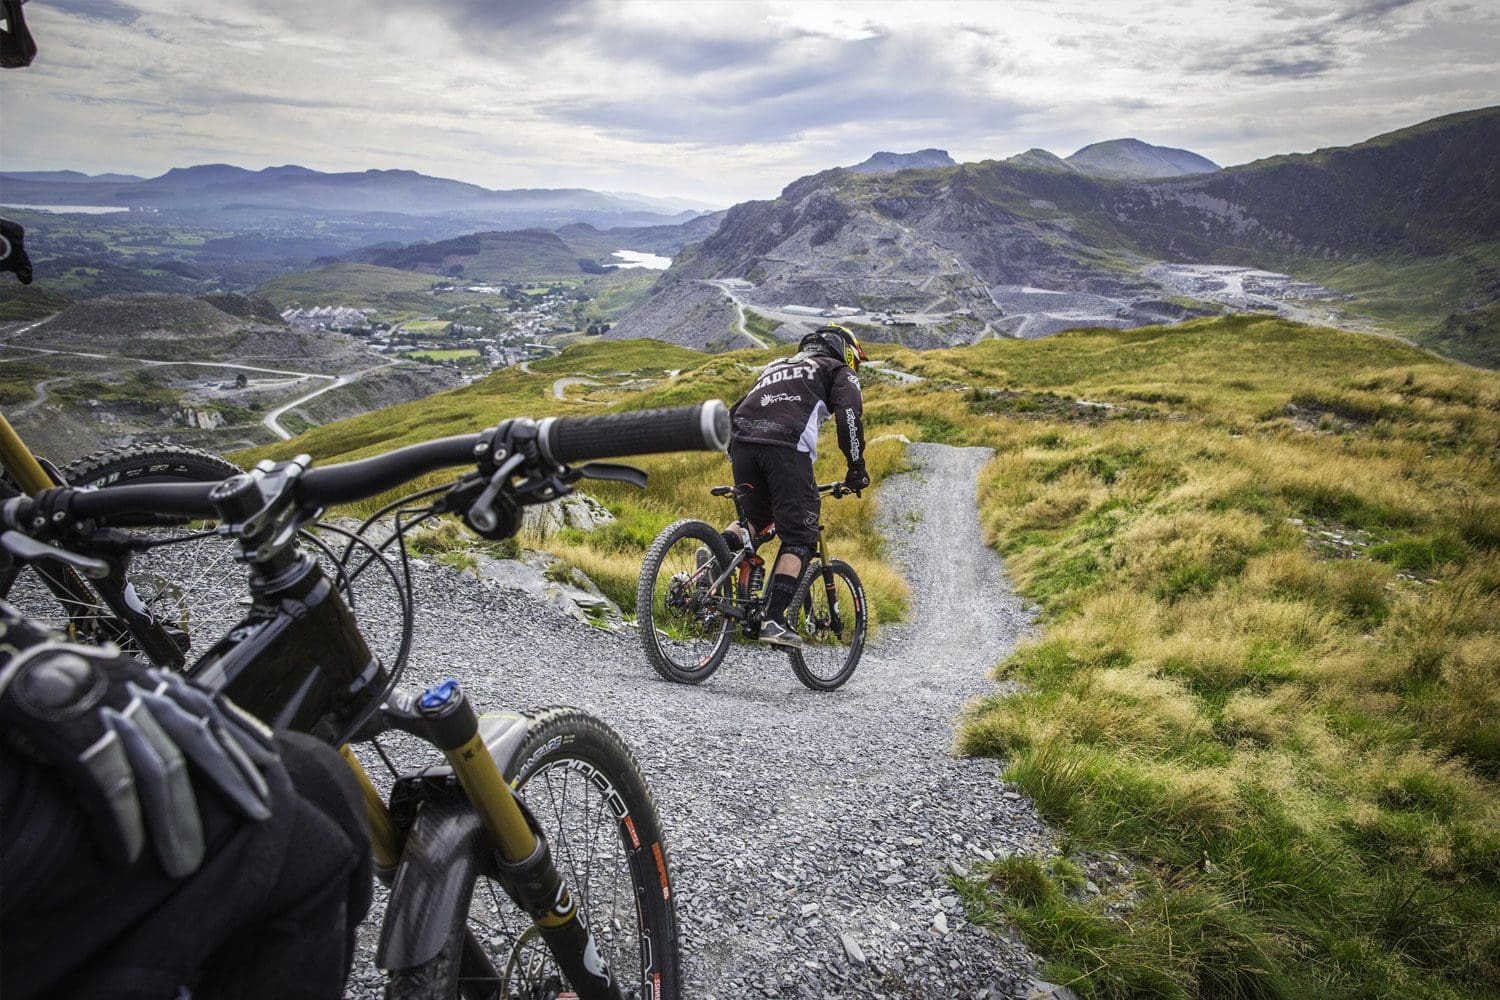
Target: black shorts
x=781 y=488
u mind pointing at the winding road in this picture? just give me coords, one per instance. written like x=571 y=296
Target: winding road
x=270 y=421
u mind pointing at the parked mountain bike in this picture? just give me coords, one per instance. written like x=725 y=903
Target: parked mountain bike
x=513 y=872
x=689 y=607
x=154 y=599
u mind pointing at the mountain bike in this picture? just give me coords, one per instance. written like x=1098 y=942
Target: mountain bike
x=152 y=601
x=532 y=865
x=693 y=592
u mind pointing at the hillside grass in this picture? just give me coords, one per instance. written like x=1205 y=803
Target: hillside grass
x=679 y=483
x=605 y=357
x=1269 y=674
x=353 y=285
x=1267 y=562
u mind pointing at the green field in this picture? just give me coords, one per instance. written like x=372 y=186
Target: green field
x=1267 y=669
x=359 y=286
x=426 y=327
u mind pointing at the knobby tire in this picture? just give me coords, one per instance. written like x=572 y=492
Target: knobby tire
x=826 y=661
x=681 y=645
x=566 y=753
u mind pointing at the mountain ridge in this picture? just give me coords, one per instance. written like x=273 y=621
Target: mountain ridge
x=214 y=186
x=1132 y=158
x=961 y=252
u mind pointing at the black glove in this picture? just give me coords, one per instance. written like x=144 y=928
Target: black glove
x=122 y=734
x=857 y=478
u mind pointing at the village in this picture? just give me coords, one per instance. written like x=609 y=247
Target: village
x=474 y=338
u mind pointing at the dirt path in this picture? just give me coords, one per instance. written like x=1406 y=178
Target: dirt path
x=812 y=835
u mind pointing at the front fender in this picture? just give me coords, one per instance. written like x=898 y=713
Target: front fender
x=444 y=850
x=438 y=865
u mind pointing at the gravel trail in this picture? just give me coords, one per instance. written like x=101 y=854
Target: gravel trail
x=811 y=834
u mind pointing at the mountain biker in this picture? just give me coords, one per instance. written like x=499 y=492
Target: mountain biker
x=774 y=442
x=155 y=841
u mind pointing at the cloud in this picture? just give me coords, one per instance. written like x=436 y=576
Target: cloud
x=1372 y=11
x=719 y=100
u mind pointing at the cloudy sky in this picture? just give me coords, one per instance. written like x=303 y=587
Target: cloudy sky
x=719 y=101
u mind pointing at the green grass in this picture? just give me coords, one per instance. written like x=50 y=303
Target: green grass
x=761 y=326
x=18 y=380
x=426 y=327
x=354 y=285
x=596 y=357
x=1295 y=742
x=615 y=294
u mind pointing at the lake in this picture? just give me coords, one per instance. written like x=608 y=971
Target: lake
x=79 y=209
x=634 y=258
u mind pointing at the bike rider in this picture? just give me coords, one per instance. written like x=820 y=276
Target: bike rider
x=774 y=443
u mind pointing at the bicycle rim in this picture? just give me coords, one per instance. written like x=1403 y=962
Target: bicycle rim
x=684 y=636
x=829 y=612
x=194 y=587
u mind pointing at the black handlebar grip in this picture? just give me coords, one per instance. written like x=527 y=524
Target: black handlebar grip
x=567 y=440
x=363 y=478
x=144 y=503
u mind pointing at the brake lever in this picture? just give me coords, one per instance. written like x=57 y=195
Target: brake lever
x=613 y=472
x=28 y=549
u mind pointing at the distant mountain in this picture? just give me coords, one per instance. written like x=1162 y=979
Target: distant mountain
x=223 y=188
x=1408 y=222
x=529 y=254
x=520 y=255
x=1132 y=158
x=70 y=177
x=889 y=163
x=1040 y=158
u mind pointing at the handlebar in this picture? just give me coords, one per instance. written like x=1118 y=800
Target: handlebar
x=838 y=489
x=560 y=440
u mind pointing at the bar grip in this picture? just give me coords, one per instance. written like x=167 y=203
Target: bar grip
x=569 y=440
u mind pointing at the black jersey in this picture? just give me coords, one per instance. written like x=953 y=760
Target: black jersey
x=791 y=399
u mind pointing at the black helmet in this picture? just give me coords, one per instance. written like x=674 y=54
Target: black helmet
x=837 y=342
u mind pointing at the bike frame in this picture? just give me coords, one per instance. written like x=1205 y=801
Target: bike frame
x=298 y=661
x=748 y=608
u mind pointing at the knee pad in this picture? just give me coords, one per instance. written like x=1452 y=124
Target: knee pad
x=803 y=552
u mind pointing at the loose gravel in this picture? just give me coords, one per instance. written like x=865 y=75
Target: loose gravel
x=813 y=836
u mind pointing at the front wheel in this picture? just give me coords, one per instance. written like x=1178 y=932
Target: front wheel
x=586 y=791
x=829 y=612
x=682 y=631
x=193 y=588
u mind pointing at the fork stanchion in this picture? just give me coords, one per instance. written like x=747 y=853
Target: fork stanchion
x=384 y=845
x=20 y=462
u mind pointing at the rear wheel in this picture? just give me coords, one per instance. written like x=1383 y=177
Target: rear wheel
x=587 y=793
x=829 y=612
x=684 y=635
x=194 y=588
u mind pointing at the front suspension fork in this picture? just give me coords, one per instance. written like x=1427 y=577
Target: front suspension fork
x=442 y=716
